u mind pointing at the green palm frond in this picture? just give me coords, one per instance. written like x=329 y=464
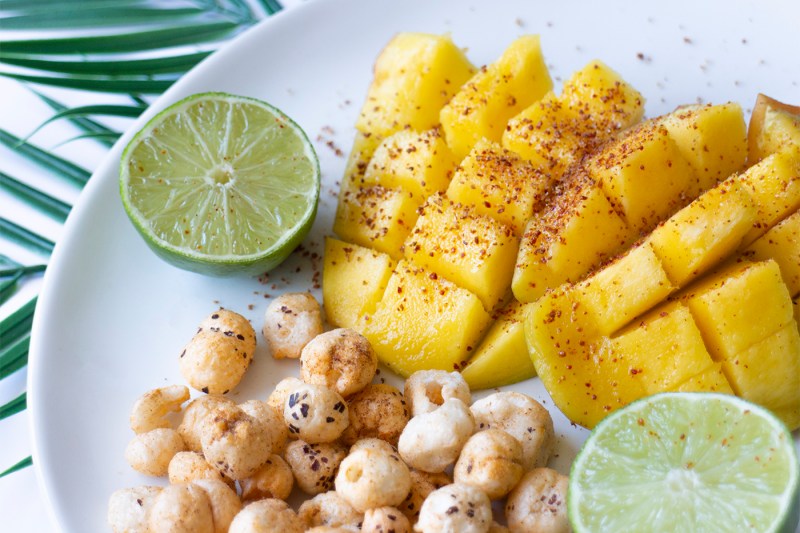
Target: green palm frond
x=109 y=48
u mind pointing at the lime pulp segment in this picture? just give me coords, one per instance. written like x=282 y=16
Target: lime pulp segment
x=221 y=180
x=686 y=462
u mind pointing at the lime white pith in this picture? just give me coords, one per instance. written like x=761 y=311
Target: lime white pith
x=219 y=183
x=686 y=462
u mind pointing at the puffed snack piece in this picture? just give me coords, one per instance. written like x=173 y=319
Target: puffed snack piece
x=455 y=508
x=422 y=484
x=267 y=516
x=151 y=409
x=183 y=508
x=539 y=503
x=150 y=453
x=329 y=509
x=314 y=465
x=377 y=411
x=218 y=355
x=273 y=480
x=370 y=478
x=315 y=413
x=432 y=441
x=236 y=443
x=194 y=417
x=385 y=519
x=491 y=460
x=225 y=503
x=523 y=418
x=290 y=322
x=187 y=466
x=340 y=359
x=129 y=509
x=426 y=390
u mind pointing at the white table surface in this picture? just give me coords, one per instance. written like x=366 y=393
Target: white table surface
x=22 y=506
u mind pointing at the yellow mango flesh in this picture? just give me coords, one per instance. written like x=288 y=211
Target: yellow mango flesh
x=420 y=163
x=417 y=312
x=705 y=232
x=712 y=138
x=663 y=349
x=774 y=127
x=548 y=134
x=353 y=281
x=644 y=176
x=377 y=217
x=624 y=289
x=596 y=91
x=712 y=379
x=739 y=306
x=496 y=93
x=497 y=183
x=774 y=184
x=502 y=357
x=572 y=236
x=414 y=76
x=471 y=250
x=364 y=145
x=768 y=373
x=782 y=244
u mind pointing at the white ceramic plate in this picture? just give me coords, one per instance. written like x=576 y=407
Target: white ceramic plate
x=112 y=317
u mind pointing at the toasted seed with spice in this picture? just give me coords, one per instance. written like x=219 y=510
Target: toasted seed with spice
x=225 y=503
x=129 y=509
x=432 y=441
x=290 y=322
x=370 y=477
x=455 y=507
x=328 y=509
x=426 y=390
x=491 y=460
x=194 y=417
x=217 y=357
x=314 y=465
x=341 y=359
x=385 y=519
x=236 y=443
x=150 y=453
x=151 y=409
x=273 y=480
x=377 y=411
x=181 y=508
x=267 y=516
x=315 y=413
x=539 y=503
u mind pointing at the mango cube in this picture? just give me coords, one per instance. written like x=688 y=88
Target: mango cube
x=768 y=373
x=573 y=235
x=550 y=135
x=502 y=357
x=601 y=94
x=471 y=250
x=712 y=379
x=585 y=379
x=496 y=93
x=739 y=307
x=624 y=289
x=663 y=349
x=424 y=322
x=353 y=281
x=644 y=176
x=497 y=183
x=364 y=145
x=420 y=163
x=712 y=138
x=774 y=127
x=376 y=217
x=415 y=75
x=774 y=184
x=705 y=232
x=782 y=244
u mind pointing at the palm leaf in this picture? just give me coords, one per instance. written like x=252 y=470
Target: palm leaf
x=84 y=124
x=130 y=67
x=96 y=17
x=53 y=163
x=138 y=41
x=28 y=461
x=35 y=198
x=14 y=406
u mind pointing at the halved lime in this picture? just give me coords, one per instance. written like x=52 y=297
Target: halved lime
x=686 y=462
x=221 y=184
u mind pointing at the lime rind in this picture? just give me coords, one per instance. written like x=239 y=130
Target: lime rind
x=686 y=462
x=186 y=158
